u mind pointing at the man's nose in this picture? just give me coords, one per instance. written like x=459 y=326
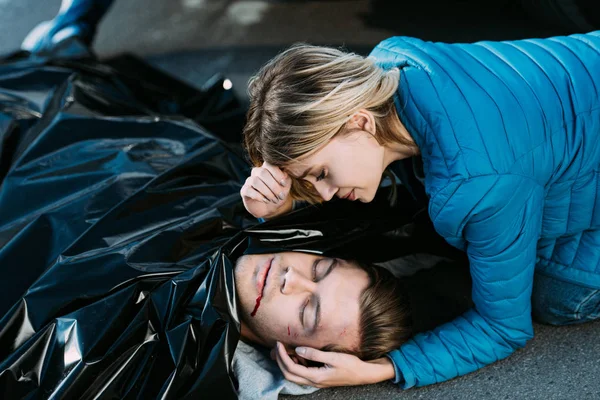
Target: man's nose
x=325 y=191
x=295 y=282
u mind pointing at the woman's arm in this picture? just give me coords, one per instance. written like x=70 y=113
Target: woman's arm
x=497 y=220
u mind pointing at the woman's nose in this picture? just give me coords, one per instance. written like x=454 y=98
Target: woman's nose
x=325 y=191
x=295 y=282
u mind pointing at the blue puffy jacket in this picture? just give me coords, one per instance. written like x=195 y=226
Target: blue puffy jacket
x=509 y=134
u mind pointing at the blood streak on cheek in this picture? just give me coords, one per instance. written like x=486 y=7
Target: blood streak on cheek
x=256 y=306
x=289 y=331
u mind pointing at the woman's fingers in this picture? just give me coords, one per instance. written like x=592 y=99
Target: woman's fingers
x=300 y=360
x=267 y=184
x=312 y=374
x=324 y=357
x=250 y=192
x=266 y=192
x=281 y=177
x=290 y=376
x=259 y=185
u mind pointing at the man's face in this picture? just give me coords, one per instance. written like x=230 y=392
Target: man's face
x=303 y=299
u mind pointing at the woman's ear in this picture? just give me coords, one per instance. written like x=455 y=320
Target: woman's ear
x=363 y=120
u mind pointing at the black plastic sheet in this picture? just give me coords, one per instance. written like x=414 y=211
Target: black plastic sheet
x=120 y=224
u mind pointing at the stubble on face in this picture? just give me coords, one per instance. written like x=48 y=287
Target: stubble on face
x=277 y=319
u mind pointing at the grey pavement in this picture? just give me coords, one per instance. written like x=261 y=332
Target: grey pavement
x=559 y=363
x=194 y=39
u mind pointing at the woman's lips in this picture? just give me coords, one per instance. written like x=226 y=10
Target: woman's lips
x=350 y=196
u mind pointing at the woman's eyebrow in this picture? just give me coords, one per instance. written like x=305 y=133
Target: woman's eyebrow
x=309 y=169
x=305 y=173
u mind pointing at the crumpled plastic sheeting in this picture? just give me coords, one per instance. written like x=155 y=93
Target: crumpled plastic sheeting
x=111 y=220
x=120 y=226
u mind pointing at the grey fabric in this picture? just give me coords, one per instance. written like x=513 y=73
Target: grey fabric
x=259 y=377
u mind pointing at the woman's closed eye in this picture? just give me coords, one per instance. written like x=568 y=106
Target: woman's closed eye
x=321 y=176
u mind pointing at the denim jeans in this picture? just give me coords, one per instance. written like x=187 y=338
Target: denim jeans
x=557 y=302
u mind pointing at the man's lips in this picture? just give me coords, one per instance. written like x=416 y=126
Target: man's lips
x=262 y=276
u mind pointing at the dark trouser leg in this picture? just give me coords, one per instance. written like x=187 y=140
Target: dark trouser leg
x=76 y=18
x=557 y=302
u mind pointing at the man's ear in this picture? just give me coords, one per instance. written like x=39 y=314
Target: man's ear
x=291 y=350
x=363 y=120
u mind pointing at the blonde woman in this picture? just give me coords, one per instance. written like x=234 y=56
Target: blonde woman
x=509 y=138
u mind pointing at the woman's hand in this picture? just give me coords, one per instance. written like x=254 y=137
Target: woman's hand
x=266 y=193
x=339 y=369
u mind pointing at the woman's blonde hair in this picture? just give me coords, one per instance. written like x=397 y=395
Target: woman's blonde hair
x=304 y=97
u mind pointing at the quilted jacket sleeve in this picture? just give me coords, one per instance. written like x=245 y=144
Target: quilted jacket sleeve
x=497 y=219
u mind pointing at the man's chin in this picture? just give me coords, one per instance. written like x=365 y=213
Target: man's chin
x=249 y=336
